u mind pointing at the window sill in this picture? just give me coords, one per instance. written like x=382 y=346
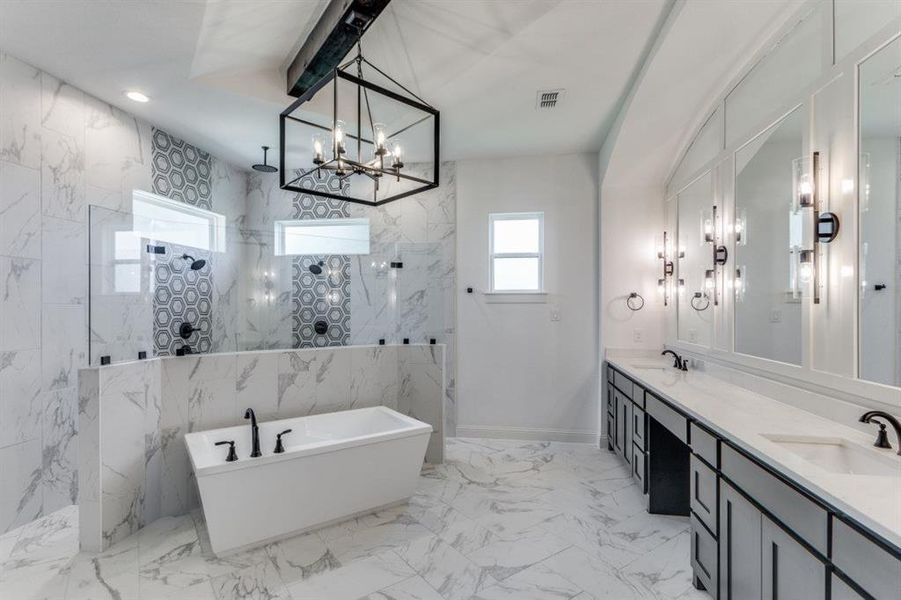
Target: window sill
x=515 y=297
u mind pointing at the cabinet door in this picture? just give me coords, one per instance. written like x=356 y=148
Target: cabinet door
x=789 y=571
x=627 y=430
x=842 y=591
x=618 y=423
x=739 y=546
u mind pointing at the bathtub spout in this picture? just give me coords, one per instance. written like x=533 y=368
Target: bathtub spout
x=255 y=432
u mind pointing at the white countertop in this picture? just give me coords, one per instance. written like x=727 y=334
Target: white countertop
x=743 y=417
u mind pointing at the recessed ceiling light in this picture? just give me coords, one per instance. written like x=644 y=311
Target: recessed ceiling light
x=137 y=96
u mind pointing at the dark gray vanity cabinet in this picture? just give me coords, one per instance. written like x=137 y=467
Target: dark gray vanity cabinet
x=756 y=534
x=789 y=571
x=740 y=546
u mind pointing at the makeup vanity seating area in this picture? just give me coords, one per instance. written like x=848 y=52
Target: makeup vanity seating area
x=783 y=503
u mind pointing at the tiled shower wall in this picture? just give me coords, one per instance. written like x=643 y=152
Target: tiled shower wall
x=61 y=150
x=415 y=302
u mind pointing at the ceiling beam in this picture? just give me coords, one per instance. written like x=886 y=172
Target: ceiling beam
x=330 y=41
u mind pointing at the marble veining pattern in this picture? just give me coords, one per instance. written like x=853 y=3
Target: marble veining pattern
x=501 y=519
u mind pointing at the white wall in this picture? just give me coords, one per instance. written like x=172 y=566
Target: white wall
x=520 y=374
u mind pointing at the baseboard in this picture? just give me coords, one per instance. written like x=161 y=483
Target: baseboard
x=528 y=433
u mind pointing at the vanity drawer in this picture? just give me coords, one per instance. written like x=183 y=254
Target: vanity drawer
x=638 y=468
x=638 y=395
x=703 y=500
x=668 y=417
x=703 y=443
x=868 y=565
x=704 y=555
x=806 y=518
x=638 y=426
x=623 y=384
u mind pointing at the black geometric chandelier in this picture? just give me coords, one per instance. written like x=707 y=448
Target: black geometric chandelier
x=364 y=140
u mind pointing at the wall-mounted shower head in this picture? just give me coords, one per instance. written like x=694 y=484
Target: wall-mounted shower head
x=196 y=265
x=316 y=268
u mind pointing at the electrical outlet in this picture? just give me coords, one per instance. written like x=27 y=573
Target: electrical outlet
x=637 y=336
x=775 y=316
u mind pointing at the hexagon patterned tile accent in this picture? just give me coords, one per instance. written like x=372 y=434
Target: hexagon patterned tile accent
x=180 y=171
x=181 y=296
x=324 y=297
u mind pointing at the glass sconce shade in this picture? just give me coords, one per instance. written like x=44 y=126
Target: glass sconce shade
x=379 y=139
x=338 y=137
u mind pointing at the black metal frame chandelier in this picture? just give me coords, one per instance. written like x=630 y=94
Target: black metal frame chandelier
x=383 y=170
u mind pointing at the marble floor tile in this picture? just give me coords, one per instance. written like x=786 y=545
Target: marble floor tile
x=414 y=588
x=595 y=576
x=535 y=583
x=504 y=558
x=453 y=575
x=356 y=580
x=500 y=519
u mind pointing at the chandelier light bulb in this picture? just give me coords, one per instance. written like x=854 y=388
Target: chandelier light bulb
x=378 y=131
x=397 y=152
x=339 y=137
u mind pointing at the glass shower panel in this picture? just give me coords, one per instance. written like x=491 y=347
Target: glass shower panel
x=121 y=286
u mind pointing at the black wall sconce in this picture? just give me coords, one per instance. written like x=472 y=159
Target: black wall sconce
x=665 y=255
x=825 y=225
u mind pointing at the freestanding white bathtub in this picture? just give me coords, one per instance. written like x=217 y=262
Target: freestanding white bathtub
x=335 y=466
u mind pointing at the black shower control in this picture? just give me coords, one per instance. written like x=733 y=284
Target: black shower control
x=879 y=287
x=433 y=341
x=105 y=360
x=320 y=327
x=232 y=455
x=397 y=265
x=382 y=342
x=406 y=340
x=151 y=249
x=185 y=330
x=468 y=290
x=183 y=351
x=142 y=355
x=279 y=447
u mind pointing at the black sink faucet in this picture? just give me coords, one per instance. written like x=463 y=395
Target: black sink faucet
x=255 y=431
x=678 y=361
x=881 y=437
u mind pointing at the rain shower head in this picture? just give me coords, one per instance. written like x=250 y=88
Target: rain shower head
x=196 y=265
x=265 y=167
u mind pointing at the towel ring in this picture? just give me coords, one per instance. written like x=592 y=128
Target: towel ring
x=630 y=301
x=695 y=304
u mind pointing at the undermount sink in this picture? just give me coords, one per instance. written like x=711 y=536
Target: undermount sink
x=648 y=366
x=838 y=455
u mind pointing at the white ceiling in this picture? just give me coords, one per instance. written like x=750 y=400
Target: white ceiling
x=215 y=69
x=703 y=49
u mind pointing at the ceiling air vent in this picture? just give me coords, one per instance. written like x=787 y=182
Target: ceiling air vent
x=548 y=99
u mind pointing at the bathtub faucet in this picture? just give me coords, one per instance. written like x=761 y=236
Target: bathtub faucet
x=255 y=431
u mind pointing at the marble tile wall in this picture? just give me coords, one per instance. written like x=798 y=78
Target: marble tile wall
x=62 y=151
x=134 y=466
x=59 y=150
x=416 y=302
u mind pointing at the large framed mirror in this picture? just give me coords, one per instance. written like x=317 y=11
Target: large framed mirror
x=695 y=261
x=768 y=286
x=879 y=199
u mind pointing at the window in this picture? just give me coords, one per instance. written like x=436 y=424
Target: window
x=516 y=246
x=164 y=220
x=322 y=236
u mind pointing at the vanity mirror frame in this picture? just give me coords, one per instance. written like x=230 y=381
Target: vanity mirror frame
x=846 y=384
